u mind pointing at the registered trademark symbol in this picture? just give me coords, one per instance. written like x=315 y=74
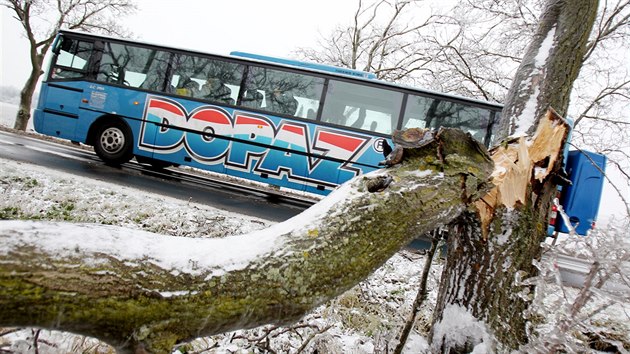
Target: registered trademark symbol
x=378 y=145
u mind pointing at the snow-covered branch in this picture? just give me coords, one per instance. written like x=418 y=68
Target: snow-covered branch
x=137 y=289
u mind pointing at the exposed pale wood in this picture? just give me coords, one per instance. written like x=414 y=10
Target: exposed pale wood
x=517 y=162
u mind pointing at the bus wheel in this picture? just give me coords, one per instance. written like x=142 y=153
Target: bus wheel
x=114 y=143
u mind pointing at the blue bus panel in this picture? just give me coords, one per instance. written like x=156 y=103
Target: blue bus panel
x=581 y=199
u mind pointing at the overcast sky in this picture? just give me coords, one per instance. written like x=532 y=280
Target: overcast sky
x=272 y=27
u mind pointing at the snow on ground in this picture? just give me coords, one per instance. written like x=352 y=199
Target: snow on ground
x=33 y=192
x=360 y=321
x=365 y=319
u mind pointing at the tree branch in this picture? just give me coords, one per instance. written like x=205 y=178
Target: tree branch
x=141 y=290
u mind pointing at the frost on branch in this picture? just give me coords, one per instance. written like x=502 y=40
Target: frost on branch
x=143 y=290
x=578 y=318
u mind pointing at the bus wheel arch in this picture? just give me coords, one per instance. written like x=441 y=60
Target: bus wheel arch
x=112 y=139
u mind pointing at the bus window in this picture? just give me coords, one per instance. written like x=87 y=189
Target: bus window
x=72 y=59
x=133 y=66
x=283 y=92
x=208 y=79
x=362 y=107
x=425 y=112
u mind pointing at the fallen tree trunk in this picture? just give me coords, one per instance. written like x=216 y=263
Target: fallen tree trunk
x=142 y=291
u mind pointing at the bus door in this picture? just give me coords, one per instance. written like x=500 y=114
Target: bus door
x=61 y=110
x=65 y=90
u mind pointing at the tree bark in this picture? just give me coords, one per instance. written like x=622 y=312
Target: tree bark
x=26 y=95
x=127 y=290
x=492 y=245
x=549 y=67
x=23 y=12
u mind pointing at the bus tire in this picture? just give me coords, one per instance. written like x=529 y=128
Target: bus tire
x=113 y=143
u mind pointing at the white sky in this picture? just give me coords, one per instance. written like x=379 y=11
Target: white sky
x=271 y=27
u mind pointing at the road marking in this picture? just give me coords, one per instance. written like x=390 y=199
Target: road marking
x=50 y=151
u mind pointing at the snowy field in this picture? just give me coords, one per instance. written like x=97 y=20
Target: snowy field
x=7 y=116
x=366 y=319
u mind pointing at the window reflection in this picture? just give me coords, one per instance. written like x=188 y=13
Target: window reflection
x=133 y=66
x=73 y=59
x=362 y=107
x=283 y=92
x=426 y=112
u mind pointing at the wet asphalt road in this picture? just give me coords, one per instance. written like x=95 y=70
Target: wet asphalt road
x=85 y=163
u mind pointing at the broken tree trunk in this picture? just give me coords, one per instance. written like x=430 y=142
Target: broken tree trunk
x=141 y=291
x=491 y=248
x=494 y=242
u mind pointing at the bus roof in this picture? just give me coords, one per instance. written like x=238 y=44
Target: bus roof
x=303 y=64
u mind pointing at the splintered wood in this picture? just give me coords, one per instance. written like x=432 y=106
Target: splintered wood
x=519 y=162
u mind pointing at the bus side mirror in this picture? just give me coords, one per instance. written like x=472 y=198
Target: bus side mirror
x=57 y=46
x=64 y=44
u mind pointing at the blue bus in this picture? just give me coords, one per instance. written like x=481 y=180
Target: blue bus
x=302 y=126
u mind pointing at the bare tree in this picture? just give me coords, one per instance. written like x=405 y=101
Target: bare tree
x=480 y=60
x=602 y=96
x=41 y=19
x=477 y=53
x=380 y=39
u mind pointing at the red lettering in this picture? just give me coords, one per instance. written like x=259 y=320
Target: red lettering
x=348 y=143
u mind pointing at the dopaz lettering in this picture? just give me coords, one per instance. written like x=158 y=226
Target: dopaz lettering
x=211 y=136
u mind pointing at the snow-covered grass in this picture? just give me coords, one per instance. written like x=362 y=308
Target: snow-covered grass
x=36 y=193
x=363 y=320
